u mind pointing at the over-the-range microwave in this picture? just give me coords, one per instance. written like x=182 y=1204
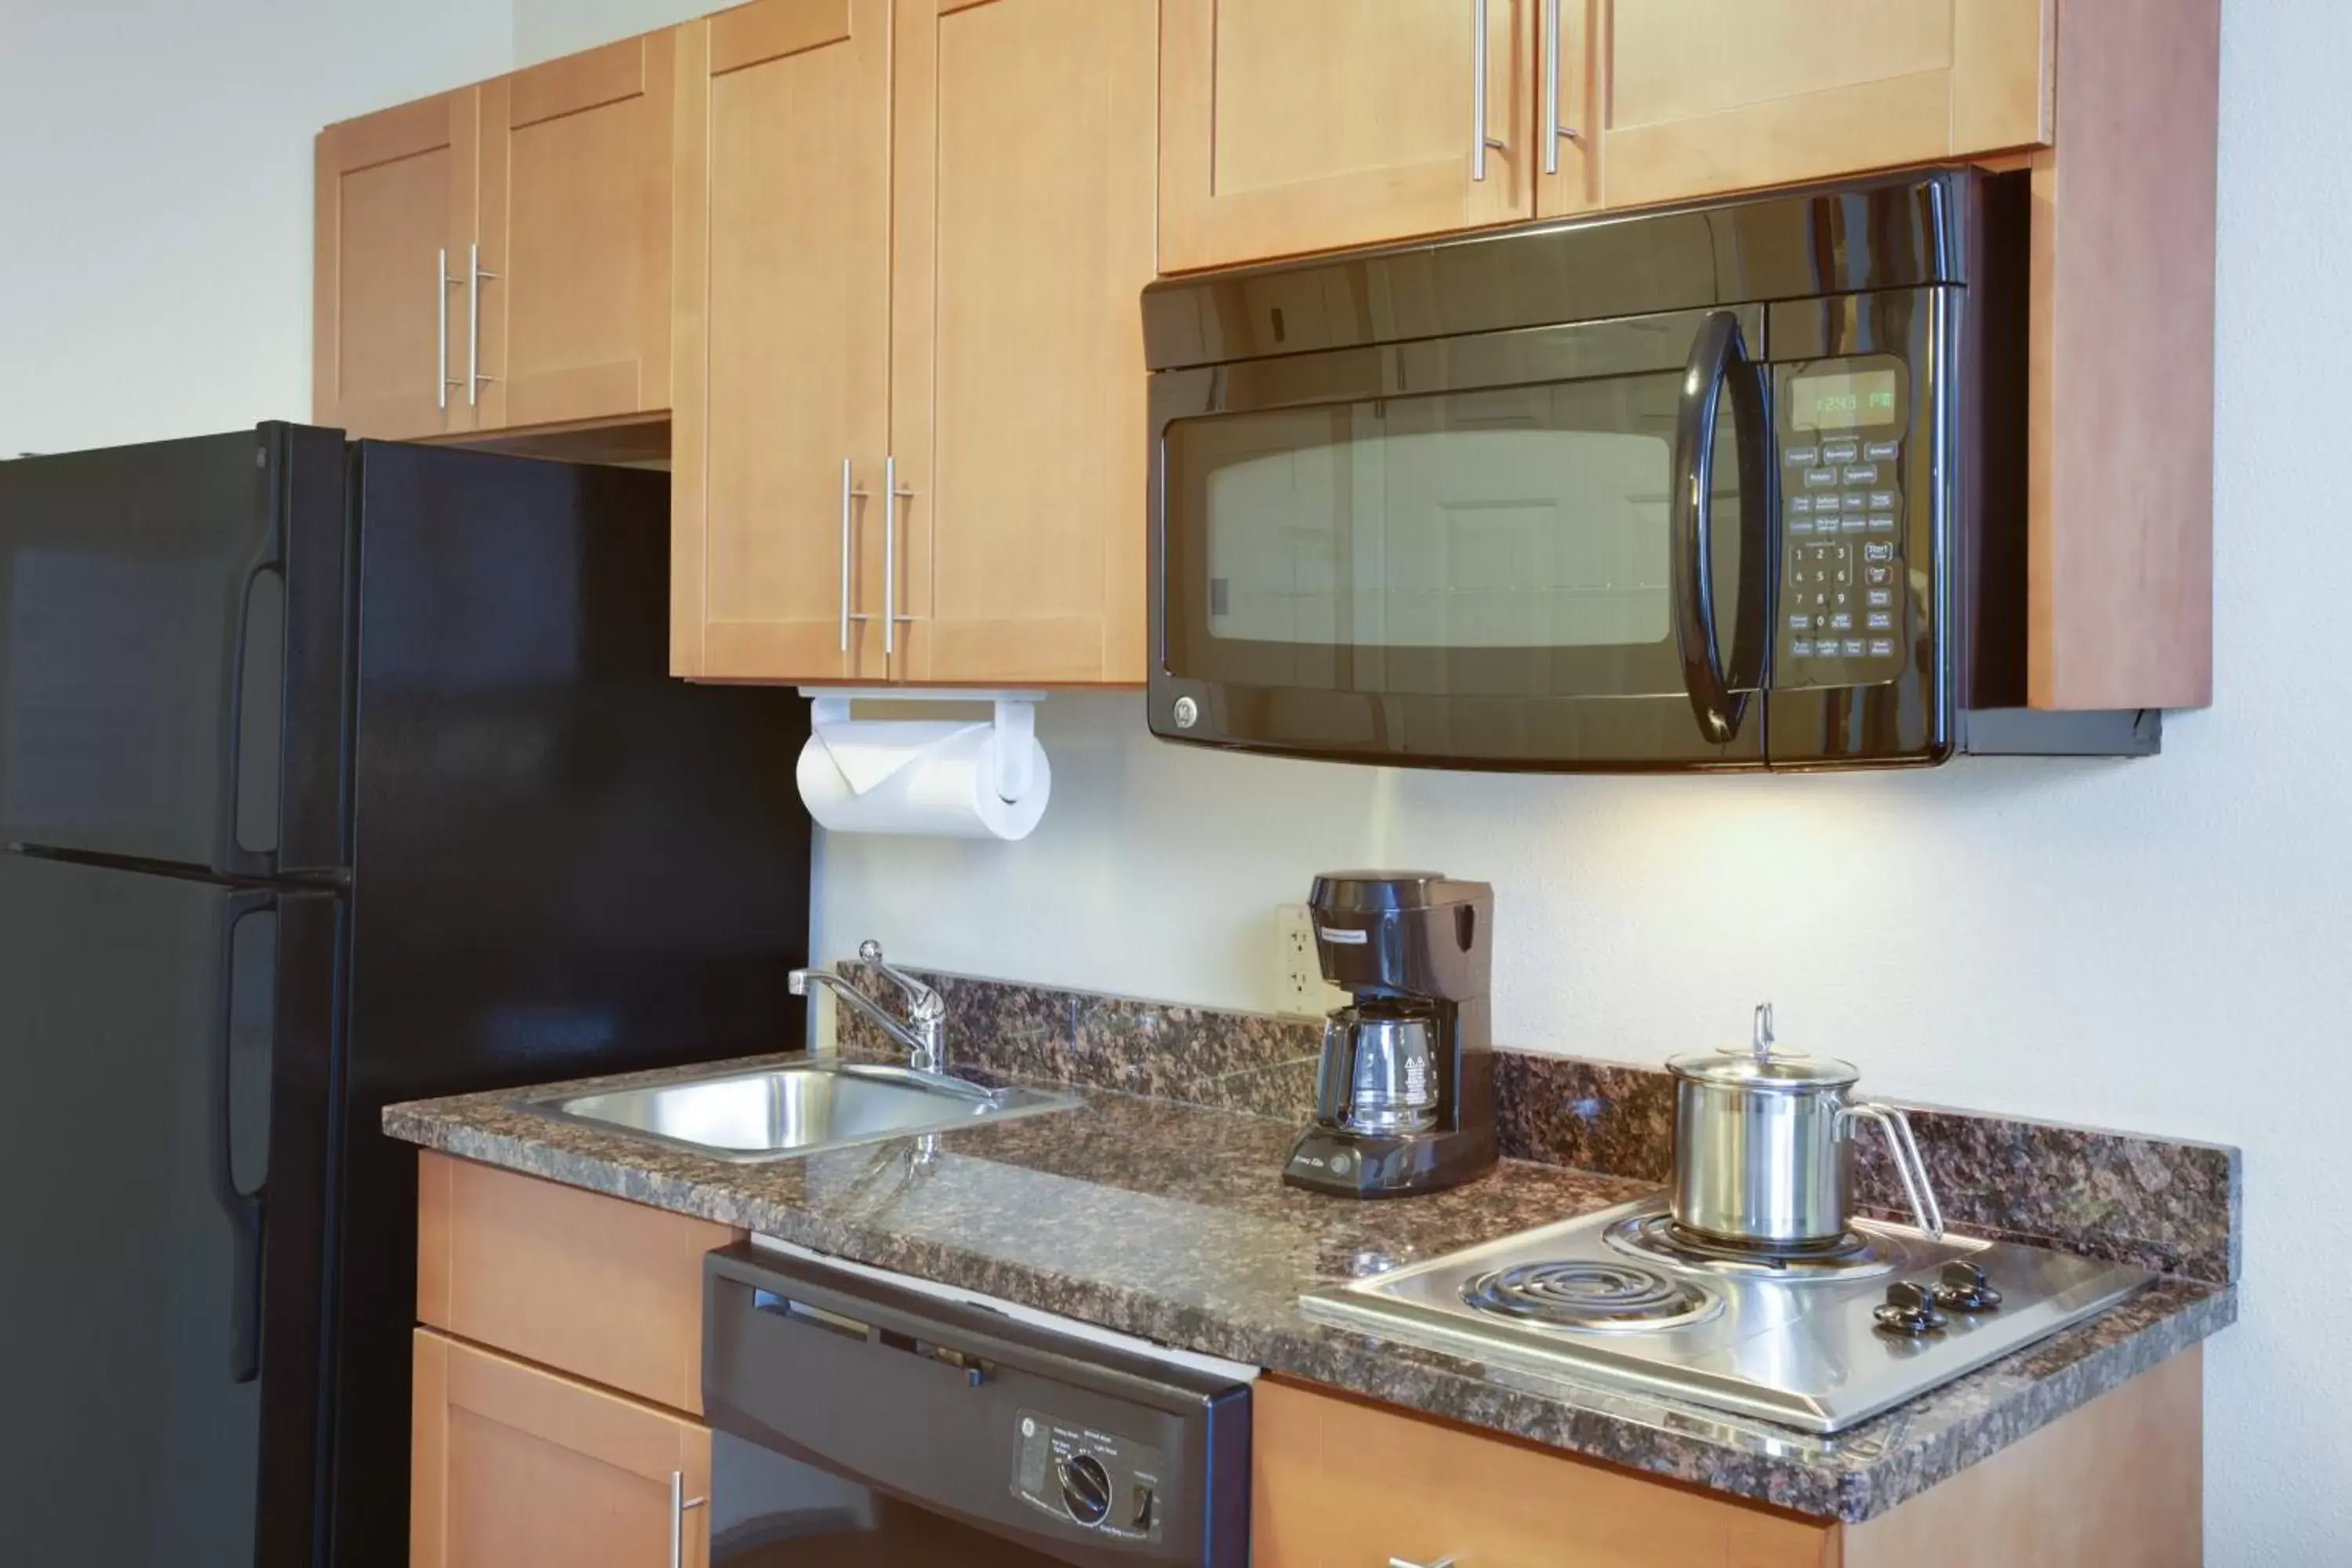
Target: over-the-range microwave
x=1731 y=485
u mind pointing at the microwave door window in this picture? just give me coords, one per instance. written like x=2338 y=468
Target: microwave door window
x=1511 y=542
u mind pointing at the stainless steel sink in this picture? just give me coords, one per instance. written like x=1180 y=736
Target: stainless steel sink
x=799 y=1108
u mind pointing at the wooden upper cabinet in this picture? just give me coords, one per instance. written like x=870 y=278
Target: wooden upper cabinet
x=514 y=1466
x=783 y=322
x=499 y=257
x=394 y=212
x=575 y=202
x=1299 y=125
x=1705 y=97
x=1023 y=196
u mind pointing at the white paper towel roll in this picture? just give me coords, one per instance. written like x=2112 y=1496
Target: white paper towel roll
x=936 y=780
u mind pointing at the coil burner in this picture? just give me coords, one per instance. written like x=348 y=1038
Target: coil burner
x=1593 y=1297
x=1856 y=1255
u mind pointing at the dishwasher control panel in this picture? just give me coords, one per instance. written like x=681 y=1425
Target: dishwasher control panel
x=1094 y=1479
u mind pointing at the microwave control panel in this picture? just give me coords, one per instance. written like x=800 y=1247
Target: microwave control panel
x=1843 y=618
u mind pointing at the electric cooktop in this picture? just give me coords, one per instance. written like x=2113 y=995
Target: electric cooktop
x=1817 y=1339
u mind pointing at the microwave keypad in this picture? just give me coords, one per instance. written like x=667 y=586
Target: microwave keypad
x=1841 y=600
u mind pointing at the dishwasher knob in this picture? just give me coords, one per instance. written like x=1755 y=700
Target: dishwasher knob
x=1965 y=1288
x=1086 y=1488
x=1910 y=1310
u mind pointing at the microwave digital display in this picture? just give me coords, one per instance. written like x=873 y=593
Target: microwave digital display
x=1850 y=400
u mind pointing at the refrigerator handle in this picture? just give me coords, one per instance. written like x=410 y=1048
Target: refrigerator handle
x=243 y=1209
x=230 y=857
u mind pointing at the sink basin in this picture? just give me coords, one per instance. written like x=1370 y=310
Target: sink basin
x=779 y=1112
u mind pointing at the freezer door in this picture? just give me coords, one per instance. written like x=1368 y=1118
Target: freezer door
x=148 y=596
x=139 y=1021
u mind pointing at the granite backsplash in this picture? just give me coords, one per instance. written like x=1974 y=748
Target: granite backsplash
x=2166 y=1203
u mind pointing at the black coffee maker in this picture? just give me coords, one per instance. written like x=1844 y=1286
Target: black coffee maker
x=1404 y=1095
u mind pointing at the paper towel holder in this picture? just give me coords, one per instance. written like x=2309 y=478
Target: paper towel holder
x=1016 y=721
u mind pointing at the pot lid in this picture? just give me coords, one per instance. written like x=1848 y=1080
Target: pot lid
x=1764 y=1065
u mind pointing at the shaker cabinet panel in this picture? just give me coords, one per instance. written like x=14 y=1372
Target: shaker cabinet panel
x=1335 y=1480
x=394 y=214
x=1025 y=222
x=576 y=168
x=514 y=1466
x=783 y=304
x=1299 y=125
x=1704 y=97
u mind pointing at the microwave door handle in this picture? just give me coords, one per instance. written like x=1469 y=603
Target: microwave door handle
x=1719 y=356
x=1759 y=504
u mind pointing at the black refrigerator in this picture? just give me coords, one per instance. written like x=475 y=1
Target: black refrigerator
x=332 y=774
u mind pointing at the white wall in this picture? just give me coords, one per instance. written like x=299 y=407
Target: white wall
x=546 y=28
x=155 y=197
x=2162 y=945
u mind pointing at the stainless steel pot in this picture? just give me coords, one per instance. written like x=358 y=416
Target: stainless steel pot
x=1764 y=1147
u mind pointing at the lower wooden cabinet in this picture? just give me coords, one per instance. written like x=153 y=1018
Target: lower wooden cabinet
x=607 y=1290
x=515 y=1466
x=1337 y=1482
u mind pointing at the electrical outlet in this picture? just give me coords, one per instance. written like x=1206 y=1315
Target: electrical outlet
x=1302 y=990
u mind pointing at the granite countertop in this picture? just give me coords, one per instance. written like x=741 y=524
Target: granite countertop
x=1168 y=1221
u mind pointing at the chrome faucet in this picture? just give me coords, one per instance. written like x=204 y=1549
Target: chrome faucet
x=924 y=1033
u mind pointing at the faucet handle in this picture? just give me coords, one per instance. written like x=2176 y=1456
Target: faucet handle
x=924 y=1005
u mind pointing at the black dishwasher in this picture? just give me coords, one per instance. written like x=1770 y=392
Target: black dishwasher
x=859 y=1422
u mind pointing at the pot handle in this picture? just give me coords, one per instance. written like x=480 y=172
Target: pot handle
x=1913 y=1170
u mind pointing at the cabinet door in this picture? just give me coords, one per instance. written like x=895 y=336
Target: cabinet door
x=576 y=231
x=394 y=212
x=1023 y=202
x=1339 y=1482
x=783 y=324
x=514 y=1467
x=1570 y=85
x=1704 y=95
x=1297 y=125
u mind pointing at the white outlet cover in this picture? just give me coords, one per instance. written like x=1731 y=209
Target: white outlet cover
x=1298 y=974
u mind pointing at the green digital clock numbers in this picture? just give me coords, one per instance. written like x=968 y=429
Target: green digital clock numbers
x=1847 y=400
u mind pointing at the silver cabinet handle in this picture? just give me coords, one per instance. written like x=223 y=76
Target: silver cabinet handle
x=678 y=1503
x=849 y=492
x=1408 y=1562
x=891 y=496
x=1479 y=141
x=476 y=276
x=442 y=284
x=1554 y=130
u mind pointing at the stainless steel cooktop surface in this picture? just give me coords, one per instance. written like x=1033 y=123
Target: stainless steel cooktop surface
x=1816 y=1341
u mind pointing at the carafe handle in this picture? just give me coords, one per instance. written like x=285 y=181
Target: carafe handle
x=1334 y=1075
x=1905 y=1150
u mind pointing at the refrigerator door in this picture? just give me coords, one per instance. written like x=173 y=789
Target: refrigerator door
x=153 y=602
x=565 y=861
x=141 y=1025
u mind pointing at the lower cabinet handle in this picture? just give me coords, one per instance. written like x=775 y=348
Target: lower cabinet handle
x=1408 y=1562
x=678 y=1503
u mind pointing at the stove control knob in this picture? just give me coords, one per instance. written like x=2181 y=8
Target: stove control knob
x=1086 y=1488
x=1910 y=1310
x=1965 y=1288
